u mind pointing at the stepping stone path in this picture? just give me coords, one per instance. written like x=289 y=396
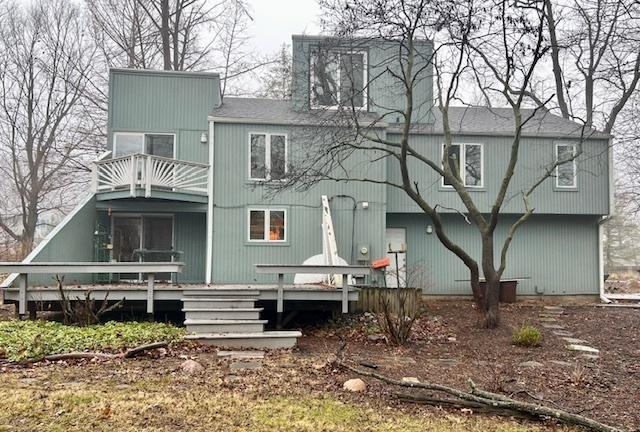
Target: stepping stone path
x=553 y=326
x=549 y=317
x=241 y=354
x=583 y=348
x=562 y=333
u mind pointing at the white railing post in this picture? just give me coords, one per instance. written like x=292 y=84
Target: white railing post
x=148 y=174
x=134 y=176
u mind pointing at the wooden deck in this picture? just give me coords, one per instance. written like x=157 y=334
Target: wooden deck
x=175 y=292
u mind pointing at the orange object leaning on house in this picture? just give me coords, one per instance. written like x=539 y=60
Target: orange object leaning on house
x=380 y=263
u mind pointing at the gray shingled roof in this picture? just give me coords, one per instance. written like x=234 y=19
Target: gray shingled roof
x=463 y=120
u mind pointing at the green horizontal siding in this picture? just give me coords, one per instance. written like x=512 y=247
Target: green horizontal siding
x=591 y=196
x=557 y=255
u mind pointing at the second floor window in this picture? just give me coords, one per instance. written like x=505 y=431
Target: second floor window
x=338 y=78
x=268 y=156
x=469 y=156
x=126 y=143
x=566 y=171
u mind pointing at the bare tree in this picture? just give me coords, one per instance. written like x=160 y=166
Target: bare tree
x=595 y=59
x=502 y=39
x=276 y=79
x=44 y=138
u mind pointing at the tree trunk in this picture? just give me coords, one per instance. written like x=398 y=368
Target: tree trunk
x=490 y=305
x=165 y=34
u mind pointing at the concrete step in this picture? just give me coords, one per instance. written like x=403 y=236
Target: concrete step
x=224 y=326
x=223 y=313
x=264 y=340
x=217 y=303
x=221 y=292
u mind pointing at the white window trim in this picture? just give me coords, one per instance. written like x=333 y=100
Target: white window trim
x=365 y=78
x=143 y=134
x=267 y=222
x=573 y=163
x=463 y=164
x=267 y=156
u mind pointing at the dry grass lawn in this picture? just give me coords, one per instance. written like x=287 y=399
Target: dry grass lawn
x=155 y=395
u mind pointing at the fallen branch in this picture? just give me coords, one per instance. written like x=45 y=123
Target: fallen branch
x=102 y=356
x=494 y=402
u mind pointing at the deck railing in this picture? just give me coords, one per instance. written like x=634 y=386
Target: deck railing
x=140 y=171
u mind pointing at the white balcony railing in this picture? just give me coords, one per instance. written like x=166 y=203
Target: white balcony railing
x=139 y=171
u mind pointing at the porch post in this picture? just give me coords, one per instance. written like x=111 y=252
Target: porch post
x=134 y=176
x=150 y=286
x=280 y=299
x=22 y=297
x=147 y=176
x=345 y=294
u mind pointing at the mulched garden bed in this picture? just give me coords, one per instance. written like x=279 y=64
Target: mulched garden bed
x=448 y=348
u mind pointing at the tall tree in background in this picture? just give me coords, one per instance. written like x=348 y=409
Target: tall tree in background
x=276 y=79
x=44 y=134
x=595 y=59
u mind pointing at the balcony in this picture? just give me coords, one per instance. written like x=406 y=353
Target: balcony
x=148 y=175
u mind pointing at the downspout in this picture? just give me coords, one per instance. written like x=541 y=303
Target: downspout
x=210 y=206
x=605 y=218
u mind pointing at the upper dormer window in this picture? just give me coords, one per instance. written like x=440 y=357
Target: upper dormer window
x=338 y=78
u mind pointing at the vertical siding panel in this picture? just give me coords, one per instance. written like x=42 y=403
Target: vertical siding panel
x=234 y=257
x=189 y=235
x=164 y=102
x=556 y=254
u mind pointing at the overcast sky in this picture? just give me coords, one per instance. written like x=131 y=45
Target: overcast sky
x=274 y=21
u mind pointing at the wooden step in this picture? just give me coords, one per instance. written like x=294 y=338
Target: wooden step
x=200 y=326
x=222 y=313
x=264 y=340
x=218 y=303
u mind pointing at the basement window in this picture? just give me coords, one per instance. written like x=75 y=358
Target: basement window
x=267 y=225
x=566 y=177
x=469 y=156
x=338 y=78
x=268 y=156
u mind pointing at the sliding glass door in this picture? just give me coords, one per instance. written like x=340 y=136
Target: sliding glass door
x=139 y=238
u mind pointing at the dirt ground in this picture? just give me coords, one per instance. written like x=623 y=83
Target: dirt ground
x=626 y=282
x=449 y=349
x=298 y=390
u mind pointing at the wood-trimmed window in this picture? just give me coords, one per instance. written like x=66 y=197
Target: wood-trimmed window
x=267 y=225
x=566 y=172
x=267 y=156
x=471 y=157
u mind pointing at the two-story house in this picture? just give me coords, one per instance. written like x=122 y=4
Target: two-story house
x=185 y=172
